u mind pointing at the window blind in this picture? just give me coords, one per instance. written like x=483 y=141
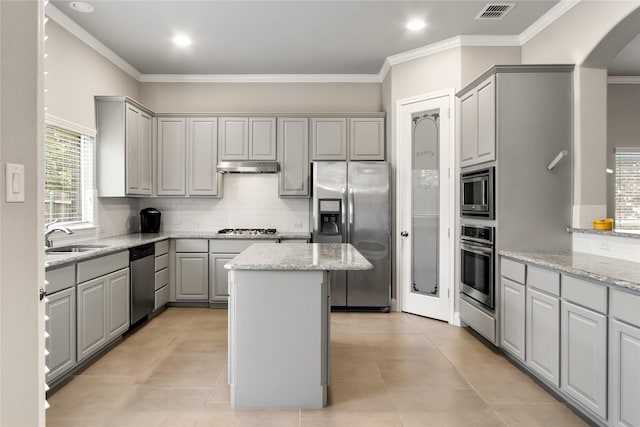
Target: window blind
x=68 y=175
x=627 y=188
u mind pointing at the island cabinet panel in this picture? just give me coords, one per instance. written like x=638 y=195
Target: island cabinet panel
x=172 y=147
x=293 y=156
x=219 y=276
x=512 y=305
x=192 y=276
x=624 y=359
x=329 y=139
x=584 y=357
x=61 y=327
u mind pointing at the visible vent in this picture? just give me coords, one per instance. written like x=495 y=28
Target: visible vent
x=495 y=10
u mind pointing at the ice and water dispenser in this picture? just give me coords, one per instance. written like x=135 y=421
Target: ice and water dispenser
x=330 y=217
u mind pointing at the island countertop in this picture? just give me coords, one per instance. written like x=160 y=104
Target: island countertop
x=300 y=257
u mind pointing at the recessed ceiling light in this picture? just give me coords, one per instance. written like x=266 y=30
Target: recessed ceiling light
x=182 y=41
x=80 y=6
x=416 y=25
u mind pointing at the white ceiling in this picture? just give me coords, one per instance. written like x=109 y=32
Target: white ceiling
x=291 y=37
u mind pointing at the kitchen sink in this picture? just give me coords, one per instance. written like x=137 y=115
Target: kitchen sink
x=74 y=248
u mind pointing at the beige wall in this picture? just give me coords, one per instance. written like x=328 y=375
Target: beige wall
x=261 y=97
x=623 y=128
x=21 y=224
x=76 y=73
x=478 y=59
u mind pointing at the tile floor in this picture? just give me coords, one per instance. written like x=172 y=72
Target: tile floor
x=386 y=370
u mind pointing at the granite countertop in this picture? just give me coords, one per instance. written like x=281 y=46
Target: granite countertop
x=612 y=271
x=300 y=256
x=126 y=241
x=616 y=233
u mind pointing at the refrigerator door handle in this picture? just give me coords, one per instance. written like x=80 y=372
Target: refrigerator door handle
x=351 y=214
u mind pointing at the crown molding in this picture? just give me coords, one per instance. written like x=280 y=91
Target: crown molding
x=65 y=22
x=623 y=80
x=259 y=78
x=547 y=19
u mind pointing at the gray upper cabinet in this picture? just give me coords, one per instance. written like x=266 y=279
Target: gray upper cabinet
x=202 y=152
x=478 y=124
x=247 y=138
x=328 y=139
x=366 y=139
x=124 y=148
x=262 y=138
x=187 y=157
x=293 y=156
x=172 y=148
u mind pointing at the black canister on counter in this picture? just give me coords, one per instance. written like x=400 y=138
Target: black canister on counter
x=150 y=220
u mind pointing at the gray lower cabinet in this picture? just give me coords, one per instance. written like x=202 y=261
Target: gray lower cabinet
x=624 y=359
x=512 y=305
x=192 y=276
x=102 y=310
x=61 y=328
x=219 y=281
x=584 y=356
x=161 y=281
x=543 y=335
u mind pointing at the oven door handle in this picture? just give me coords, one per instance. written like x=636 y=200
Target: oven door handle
x=480 y=250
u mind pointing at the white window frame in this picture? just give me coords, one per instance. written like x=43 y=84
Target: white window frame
x=89 y=224
x=628 y=224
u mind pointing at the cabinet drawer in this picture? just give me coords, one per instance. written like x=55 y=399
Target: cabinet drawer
x=481 y=322
x=625 y=306
x=192 y=245
x=162 y=278
x=587 y=294
x=162 y=247
x=543 y=279
x=513 y=270
x=162 y=261
x=234 y=246
x=100 y=266
x=60 y=278
x=161 y=297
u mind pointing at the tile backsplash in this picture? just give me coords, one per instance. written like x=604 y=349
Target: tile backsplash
x=249 y=201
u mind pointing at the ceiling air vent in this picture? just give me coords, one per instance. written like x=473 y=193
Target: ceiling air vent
x=495 y=10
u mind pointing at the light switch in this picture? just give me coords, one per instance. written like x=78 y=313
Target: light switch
x=14 y=183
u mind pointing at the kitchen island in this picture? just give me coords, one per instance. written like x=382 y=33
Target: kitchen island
x=279 y=311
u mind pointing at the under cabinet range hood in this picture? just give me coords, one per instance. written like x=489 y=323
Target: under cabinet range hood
x=248 y=166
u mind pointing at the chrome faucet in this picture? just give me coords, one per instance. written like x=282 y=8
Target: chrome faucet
x=50 y=230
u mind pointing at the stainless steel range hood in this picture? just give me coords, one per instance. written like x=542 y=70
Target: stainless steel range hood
x=248 y=166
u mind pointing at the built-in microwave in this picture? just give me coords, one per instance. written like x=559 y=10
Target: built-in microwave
x=476 y=193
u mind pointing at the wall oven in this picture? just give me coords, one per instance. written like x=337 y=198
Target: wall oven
x=477 y=263
x=477 y=193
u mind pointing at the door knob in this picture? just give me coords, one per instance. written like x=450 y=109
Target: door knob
x=404 y=234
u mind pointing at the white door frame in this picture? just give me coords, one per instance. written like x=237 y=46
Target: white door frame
x=401 y=146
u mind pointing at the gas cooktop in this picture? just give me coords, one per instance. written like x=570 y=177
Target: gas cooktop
x=248 y=231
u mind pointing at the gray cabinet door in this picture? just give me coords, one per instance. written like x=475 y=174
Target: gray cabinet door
x=584 y=357
x=117 y=303
x=203 y=179
x=172 y=148
x=61 y=327
x=543 y=335
x=233 y=138
x=192 y=276
x=138 y=158
x=512 y=301
x=625 y=374
x=468 y=128
x=262 y=138
x=366 y=139
x=91 y=316
x=293 y=154
x=478 y=124
x=328 y=139
x=219 y=276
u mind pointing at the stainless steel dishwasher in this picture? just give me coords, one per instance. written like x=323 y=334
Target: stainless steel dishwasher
x=142 y=262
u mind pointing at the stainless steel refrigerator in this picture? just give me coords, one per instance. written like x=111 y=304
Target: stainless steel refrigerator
x=351 y=204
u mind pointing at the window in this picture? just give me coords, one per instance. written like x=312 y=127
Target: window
x=627 y=178
x=69 y=176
